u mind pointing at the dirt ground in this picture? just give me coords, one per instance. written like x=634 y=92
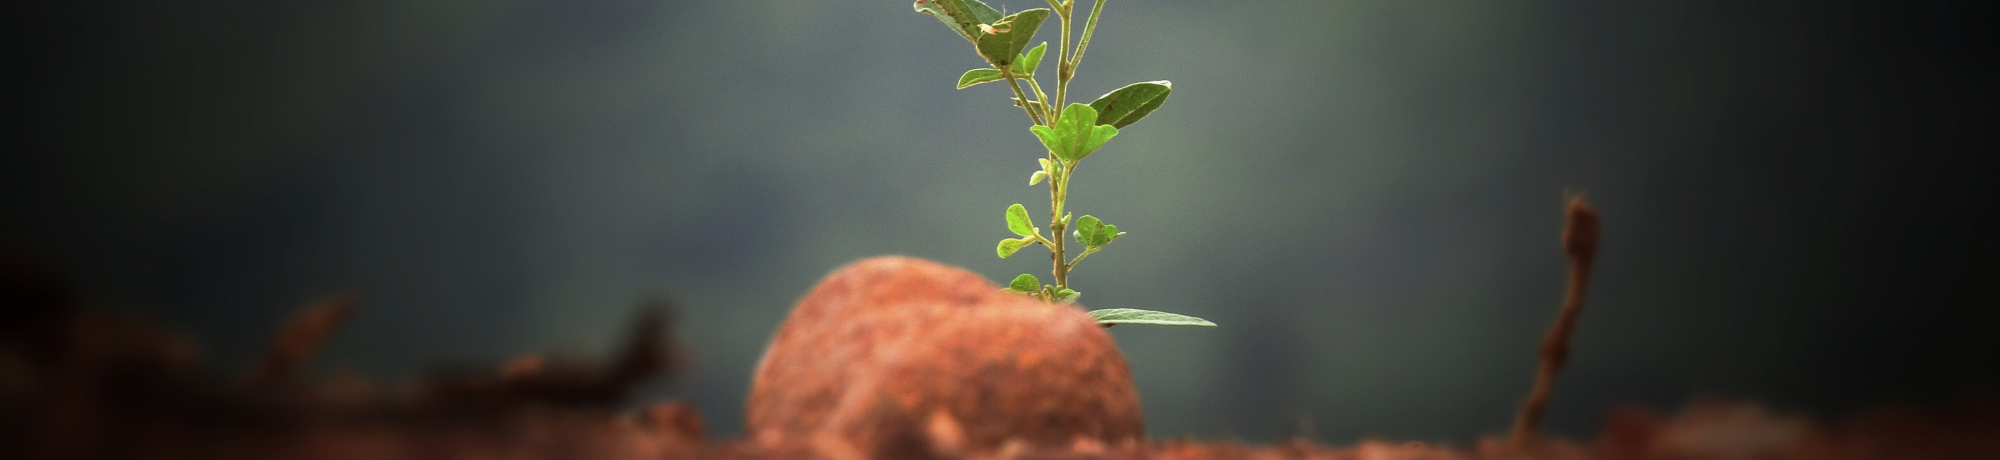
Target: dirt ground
x=887 y=358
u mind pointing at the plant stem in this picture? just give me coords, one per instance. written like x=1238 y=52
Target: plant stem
x=1088 y=27
x=1008 y=71
x=1063 y=67
x=1058 y=194
x=1079 y=257
x=1059 y=183
x=1059 y=179
x=1055 y=221
x=1048 y=113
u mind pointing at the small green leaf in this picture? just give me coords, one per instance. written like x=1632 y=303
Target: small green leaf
x=1017 y=220
x=1093 y=232
x=1067 y=295
x=1127 y=105
x=962 y=16
x=1025 y=283
x=1087 y=229
x=1074 y=134
x=1009 y=246
x=1010 y=35
x=1111 y=316
x=977 y=76
x=1025 y=67
x=1046 y=165
x=1037 y=177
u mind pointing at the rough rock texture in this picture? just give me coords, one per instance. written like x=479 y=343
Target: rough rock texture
x=895 y=357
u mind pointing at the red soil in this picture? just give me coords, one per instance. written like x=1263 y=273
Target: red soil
x=887 y=358
x=901 y=357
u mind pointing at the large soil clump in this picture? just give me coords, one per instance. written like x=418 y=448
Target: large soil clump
x=895 y=357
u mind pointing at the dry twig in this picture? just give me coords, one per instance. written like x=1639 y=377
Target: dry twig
x=1579 y=240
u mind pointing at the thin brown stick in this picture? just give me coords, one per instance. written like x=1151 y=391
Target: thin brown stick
x=1579 y=240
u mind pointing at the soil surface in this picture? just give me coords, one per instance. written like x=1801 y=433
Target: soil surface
x=886 y=358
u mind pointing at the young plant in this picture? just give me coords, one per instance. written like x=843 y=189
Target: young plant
x=1069 y=132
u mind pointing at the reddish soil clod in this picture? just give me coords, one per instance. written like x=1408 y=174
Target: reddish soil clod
x=901 y=357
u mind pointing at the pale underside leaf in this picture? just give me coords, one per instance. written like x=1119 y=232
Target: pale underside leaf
x=1112 y=316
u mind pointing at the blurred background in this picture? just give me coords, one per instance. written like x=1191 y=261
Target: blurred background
x=1365 y=194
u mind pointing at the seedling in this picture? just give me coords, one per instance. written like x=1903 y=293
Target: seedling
x=1069 y=134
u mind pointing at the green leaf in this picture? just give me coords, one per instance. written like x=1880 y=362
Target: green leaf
x=1017 y=220
x=1090 y=231
x=1011 y=245
x=1067 y=295
x=1075 y=134
x=962 y=16
x=1093 y=232
x=1037 y=177
x=985 y=14
x=1111 y=316
x=1046 y=165
x=1127 y=105
x=1025 y=67
x=977 y=76
x=1010 y=35
x=1025 y=283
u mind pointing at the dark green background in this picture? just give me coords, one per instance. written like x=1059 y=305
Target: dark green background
x=1365 y=194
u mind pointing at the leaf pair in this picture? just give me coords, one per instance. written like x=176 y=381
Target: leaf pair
x=998 y=39
x=1075 y=134
x=1024 y=67
x=1095 y=233
x=1083 y=129
x=1028 y=284
x=1017 y=222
